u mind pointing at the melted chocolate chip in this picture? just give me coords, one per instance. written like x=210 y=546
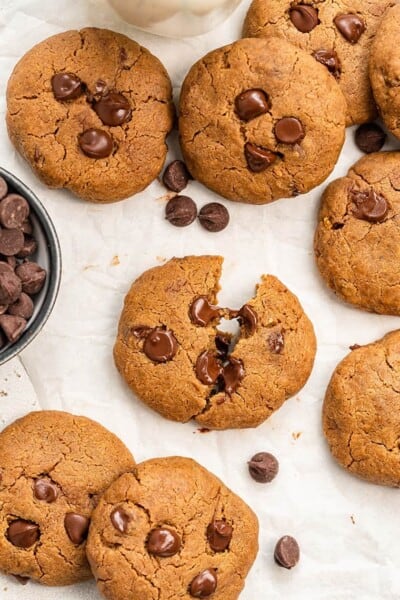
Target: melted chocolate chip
x=251 y=104
x=45 y=490
x=66 y=86
x=77 y=527
x=276 y=342
x=201 y=312
x=23 y=534
x=113 y=109
x=120 y=520
x=369 y=206
x=330 y=60
x=219 y=535
x=287 y=552
x=160 y=345
x=204 y=585
x=233 y=374
x=176 y=176
x=222 y=343
x=370 y=138
x=304 y=17
x=208 y=368
x=263 y=467
x=181 y=211
x=96 y=143
x=248 y=317
x=258 y=158
x=289 y=130
x=350 y=26
x=163 y=542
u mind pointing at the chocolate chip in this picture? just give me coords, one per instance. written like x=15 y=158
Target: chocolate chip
x=101 y=87
x=350 y=26
x=163 y=542
x=208 y=368
x=258 y=158
x=370 y=138
x=330 y=60
x=12 y=326
x=214 y=217
x=27 y=227
x=66 y=86
x=160 y=345
x=120 y=520
x=23 y=534
x=251 y=104
x=304 y=17
x=202 y=312
x=3 y=188
x=287 y=552
x=113 y=109
x=176 y=176
x=77 y=527
x=248 y=318
x=219 y=535
x=337 y=226
x=276 y=342
x=29 y=248
x=14 y=210
x=32 y=277
x=21 y=579
x=369 y=206
x=140 y=332
x=96 y=143
x=222 y=343
x=45 y=490
x=11 y=241
x=289 y=130
x=10 y=286
x=233 y=374
x=263 y=467
x=204 y=585
x=181 y=211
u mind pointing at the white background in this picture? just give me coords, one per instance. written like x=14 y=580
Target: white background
x=348 y=530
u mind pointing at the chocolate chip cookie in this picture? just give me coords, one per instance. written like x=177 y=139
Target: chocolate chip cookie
x=173 y=355
x=260 y=120
x=357 y=242
x=361 y=416
x=90 y=111
x=338 y=33
x=170 y=529
x=53 y=467
x=384 y=69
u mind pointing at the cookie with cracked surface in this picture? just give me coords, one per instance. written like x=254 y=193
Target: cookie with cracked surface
x=357 y=241
x=172 y=354
x=338 y=33
x=90 y=111
x=53 y=467
x=384 y=70
x=361 y=412
x=260 y=120
x=171 y=529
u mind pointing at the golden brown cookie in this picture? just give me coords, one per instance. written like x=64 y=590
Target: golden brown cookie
x=338 y=33
x=384 y=69
x=361 y=416
x=172 y=355
x=259 y=120
x=90 y=111
x=170 y=529
x=53 y=468
x=357 y=242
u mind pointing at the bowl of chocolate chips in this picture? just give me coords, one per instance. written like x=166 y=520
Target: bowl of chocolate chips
x=30 y=266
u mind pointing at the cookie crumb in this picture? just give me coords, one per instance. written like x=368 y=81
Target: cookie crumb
x=296 y=435
x=115 y=261
x=352 y=519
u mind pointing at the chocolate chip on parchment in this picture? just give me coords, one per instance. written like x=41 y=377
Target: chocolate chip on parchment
x=176 y=176
x=181 y=211
x=263 y=467
x=214 y=217
x=287 y=552
x=370 y=137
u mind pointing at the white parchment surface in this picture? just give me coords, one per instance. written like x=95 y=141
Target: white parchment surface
x=348 y=530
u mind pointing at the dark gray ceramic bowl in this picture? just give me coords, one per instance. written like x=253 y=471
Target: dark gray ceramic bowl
x=48 y=256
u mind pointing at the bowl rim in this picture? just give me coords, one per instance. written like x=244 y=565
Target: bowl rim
x=55 y=271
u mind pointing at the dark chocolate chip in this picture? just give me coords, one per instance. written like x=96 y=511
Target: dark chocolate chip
x=21 y=579
x=181 y=211
x=32 y=277
x=160 y=345
x=263 y=467
x=23 y=534
x=12 y=326
x=369 y=206
x=202 y=312
x=222 y=343
x=11 y=241
x=287 y=552
x=77 y=527
x=251 y=104
x=163 y=542
x=276 y=342
x=66 y=86
x=248 y=318
x=219 y=535
x=113 y=109
x=330 y=60
x=27 y=227
x=176 y=176
x=304 y=17
x=10 y=286
x=204 y=585
x=258 y=158
x=14 y=210
x=337 y=226
x=208 y=368
x=120 y=520
x=370 y=138
x=350 y=26
x=30 y=247
x=289 y=130
x=214 y=217
x=3 y=188
x=233 y=374
x=45 y=490
x=96 y=143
